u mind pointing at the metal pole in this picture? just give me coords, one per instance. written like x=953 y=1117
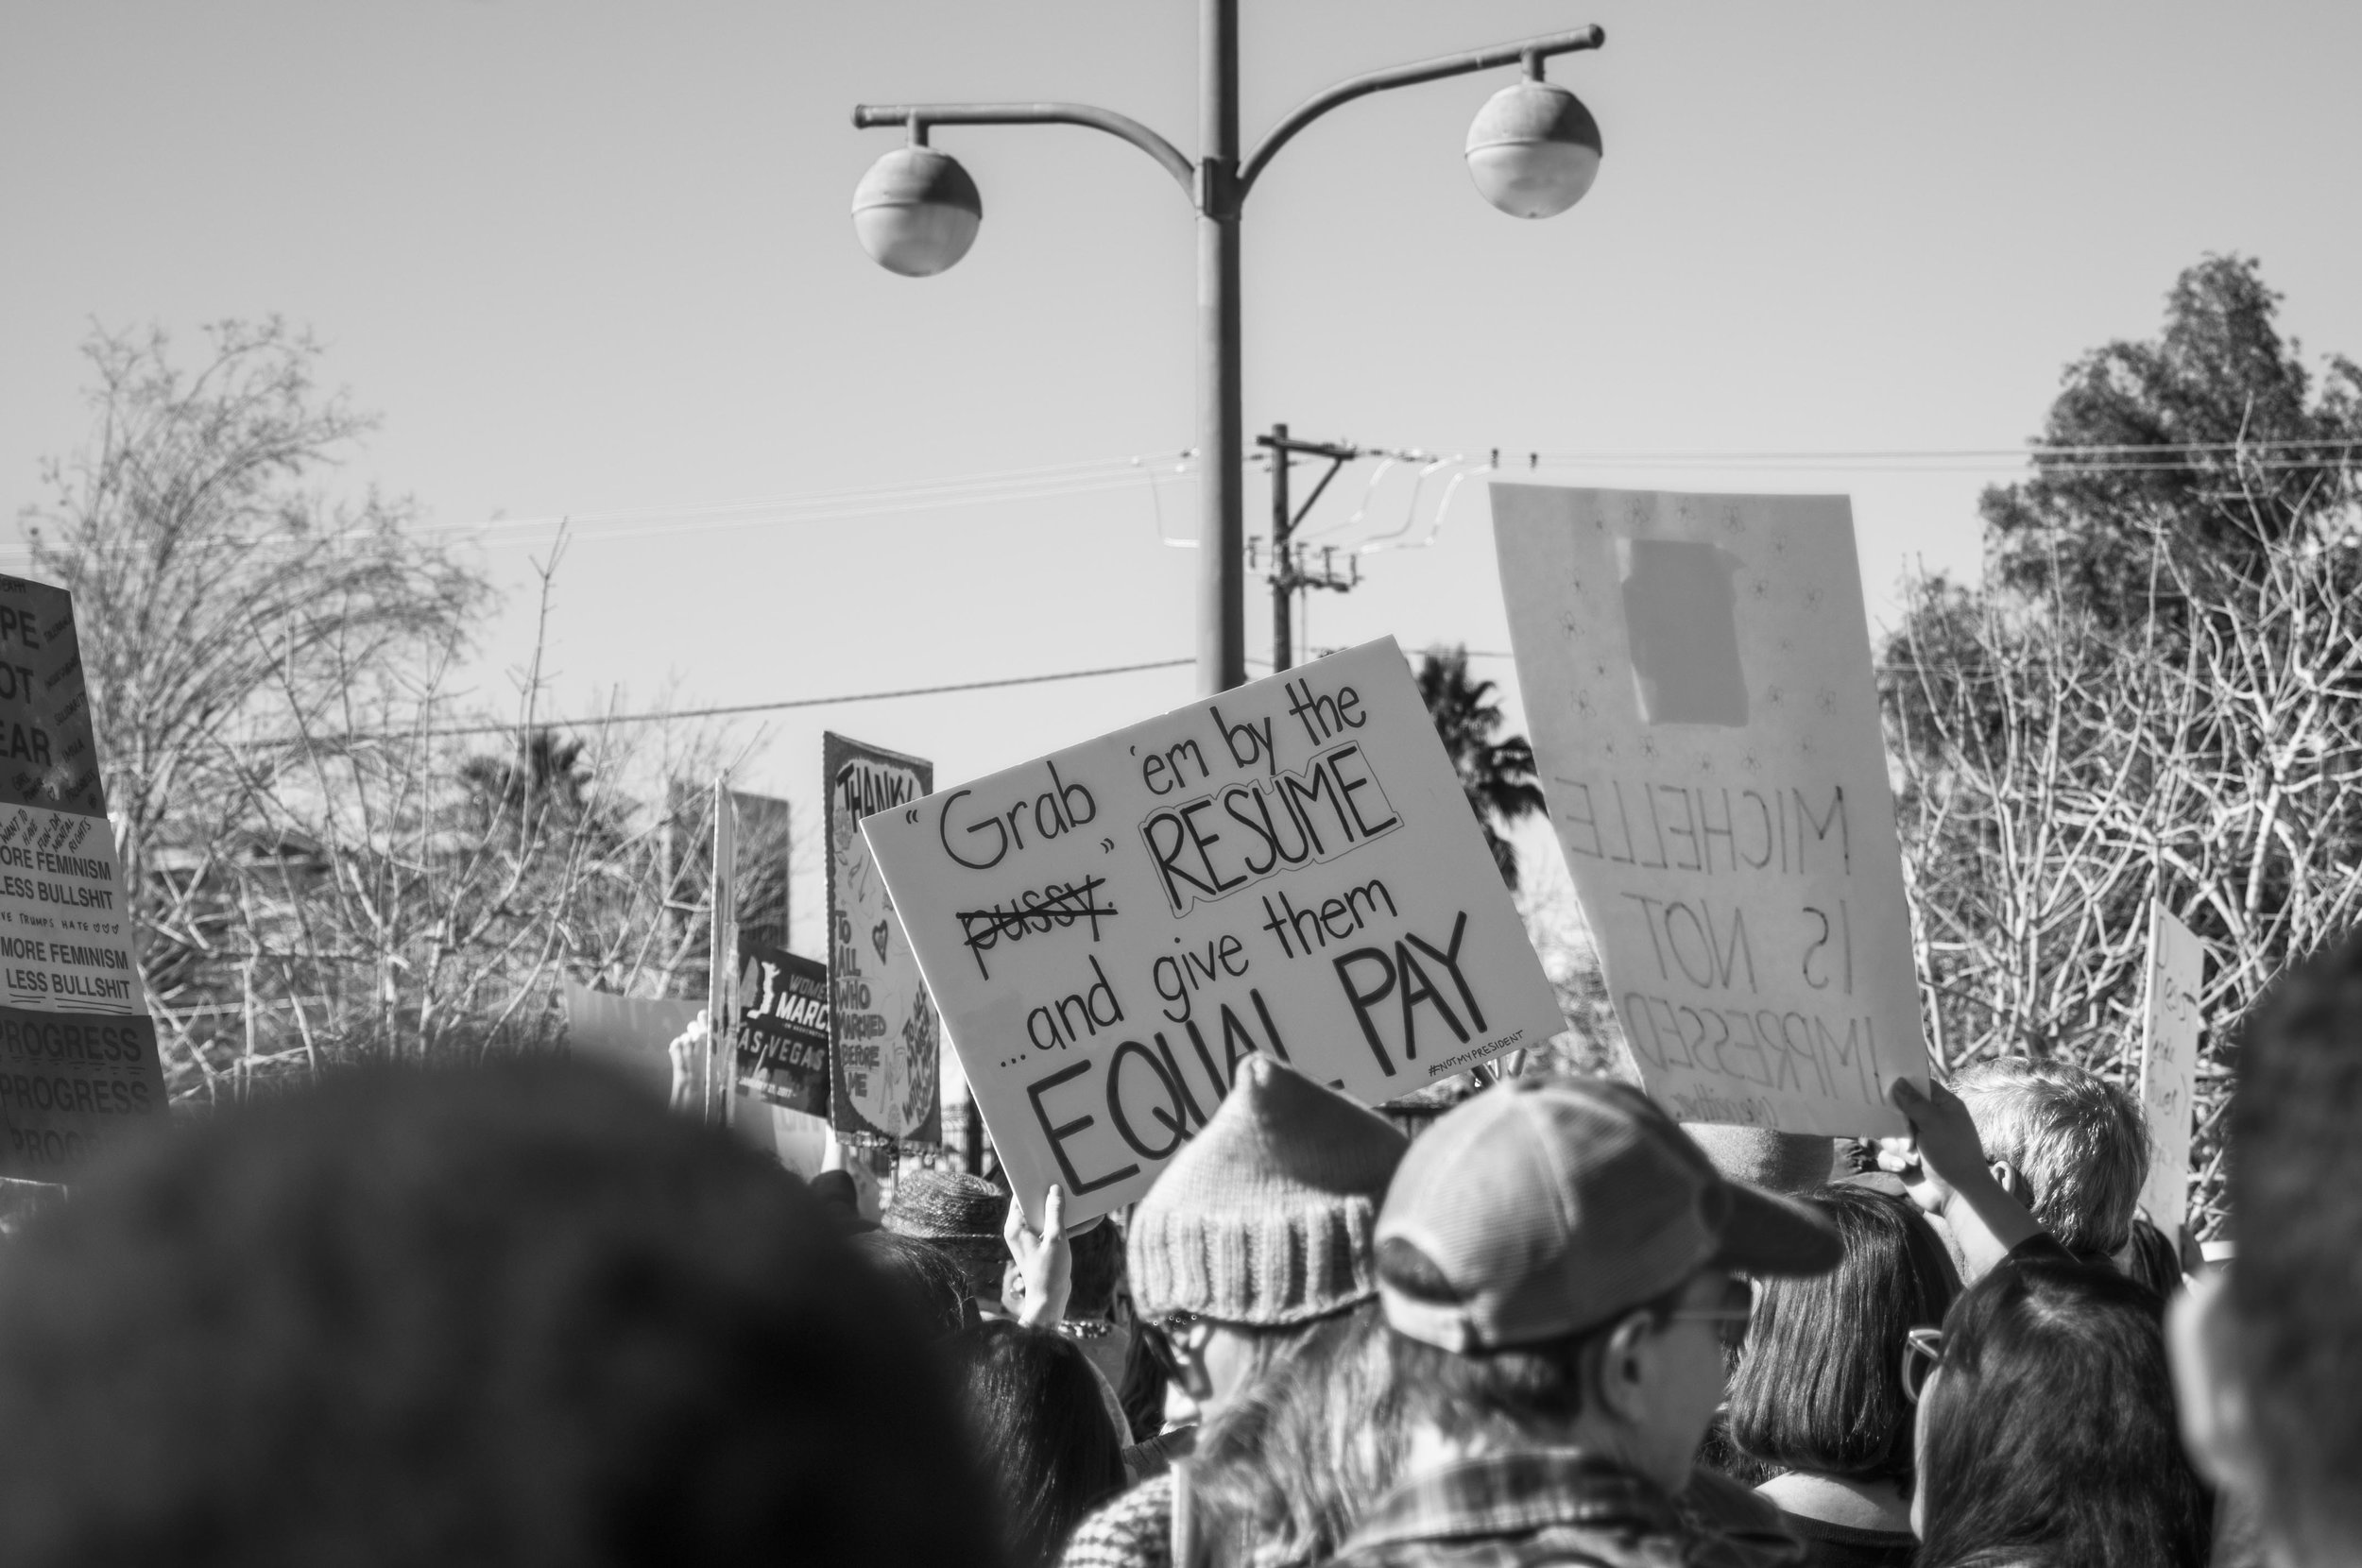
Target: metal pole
x=1283 y=636
x=1220 y=420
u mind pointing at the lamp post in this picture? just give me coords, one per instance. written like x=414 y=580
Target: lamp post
x=1533 y=152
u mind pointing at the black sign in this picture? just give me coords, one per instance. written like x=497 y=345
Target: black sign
x=783 y=1029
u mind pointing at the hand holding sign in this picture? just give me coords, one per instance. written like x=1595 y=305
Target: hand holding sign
x=1044 y=1260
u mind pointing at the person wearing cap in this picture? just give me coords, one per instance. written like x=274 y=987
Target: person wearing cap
x=1560 y=1265
x=1258 y=1236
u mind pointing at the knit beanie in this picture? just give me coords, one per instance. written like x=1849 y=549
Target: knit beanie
x=961 y=1215
x=1268 y=1216
x=1791 y=1163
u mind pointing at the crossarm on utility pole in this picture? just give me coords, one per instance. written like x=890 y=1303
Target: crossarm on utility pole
x=919 y=116
x=1410 y=76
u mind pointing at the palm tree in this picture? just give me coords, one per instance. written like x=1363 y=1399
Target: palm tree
x=1497 y=775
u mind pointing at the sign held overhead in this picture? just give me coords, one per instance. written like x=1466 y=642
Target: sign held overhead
x=1696 y=680
x=1289 y=868
x=2171 y=1025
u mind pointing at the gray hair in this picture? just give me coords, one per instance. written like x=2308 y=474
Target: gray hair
x=2079 y=1140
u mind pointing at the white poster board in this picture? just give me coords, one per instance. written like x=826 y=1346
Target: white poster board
x=1696 y=681
x=1291 y=867
x=2169 y=1039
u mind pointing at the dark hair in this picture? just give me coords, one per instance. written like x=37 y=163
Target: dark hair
x=1282 y=1476
x=1503 y=1390
x=2049 y=1430
x=928 y=1279
x=1141 y=1392
x=2295 y=1292
x=1098 y=1272
x=1034 y=1407
x=518 y=1313
x=1818 y=1386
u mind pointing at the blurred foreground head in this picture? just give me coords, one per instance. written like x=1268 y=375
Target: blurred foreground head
x=2267 y=1362
x=515 y=1316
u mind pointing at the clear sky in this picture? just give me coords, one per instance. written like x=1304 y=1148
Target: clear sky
x=590 y=257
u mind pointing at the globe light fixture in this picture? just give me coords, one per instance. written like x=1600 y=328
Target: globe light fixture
x=1534 y=150
x=916 y=211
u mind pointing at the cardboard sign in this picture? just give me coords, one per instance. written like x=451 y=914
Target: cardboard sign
x=783 y=1029
x=883 y=1041
x=1696 y=674
x=1291 y=867
x=2169 y=1038
x=78 y=1051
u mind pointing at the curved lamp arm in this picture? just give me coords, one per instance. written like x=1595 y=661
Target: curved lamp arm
x=1532 y=50
x=919 y=116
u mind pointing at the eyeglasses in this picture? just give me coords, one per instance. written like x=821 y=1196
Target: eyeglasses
x=1158 y=1338
x=1922 y=1352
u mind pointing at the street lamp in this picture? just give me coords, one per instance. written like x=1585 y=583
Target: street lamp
x=1533 y=152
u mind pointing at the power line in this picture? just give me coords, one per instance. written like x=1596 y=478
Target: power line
x=736 y=708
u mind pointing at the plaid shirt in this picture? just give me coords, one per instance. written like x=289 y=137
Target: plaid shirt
x=1531 y=1508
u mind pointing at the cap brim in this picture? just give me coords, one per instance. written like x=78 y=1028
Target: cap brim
x=1780 y=1237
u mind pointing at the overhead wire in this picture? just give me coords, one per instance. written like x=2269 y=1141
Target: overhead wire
x=729 y=709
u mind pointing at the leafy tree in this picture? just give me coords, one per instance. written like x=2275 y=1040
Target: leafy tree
x=2219 y=406
x=1498 y=775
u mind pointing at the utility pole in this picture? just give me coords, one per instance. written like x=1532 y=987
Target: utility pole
x=1288 y=576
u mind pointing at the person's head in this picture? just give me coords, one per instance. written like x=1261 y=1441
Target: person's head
x=931 y=1284
x=423 y=1318
x=1098 y=1273
x=2045 y=1429
x=1817 y=1388
x=1261 y=1226
x=2268 y=1358
x=1037 y=1413
x=1290 y=1468
x=1559 y=1264
x=2071 y=1144
x=960 y=1215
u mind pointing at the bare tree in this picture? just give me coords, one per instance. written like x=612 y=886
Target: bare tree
x=221 y=597
x=2059 y=773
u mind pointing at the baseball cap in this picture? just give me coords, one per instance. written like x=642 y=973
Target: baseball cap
x=1551 y=1206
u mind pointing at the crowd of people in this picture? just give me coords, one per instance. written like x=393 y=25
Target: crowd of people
x=524 y=1316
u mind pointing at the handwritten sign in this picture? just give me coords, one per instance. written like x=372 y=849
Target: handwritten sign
x=881 y=1032
x=1696 y=674
x=1291 y=867
x=783 y=1029
x=78 y=1050
x=2169 y=1037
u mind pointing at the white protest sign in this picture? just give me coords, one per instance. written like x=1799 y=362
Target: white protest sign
x=2170 y=1031
x=1696 y=681
x=1291 y=867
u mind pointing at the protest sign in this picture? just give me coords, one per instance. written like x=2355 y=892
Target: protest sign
x=783 y=1029
x=1696 y=676
x=765 y=840
x=630 y=1033
x=78 y=1050
x=882 y=1028
x=2169 y=1035
x=1291 y=867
